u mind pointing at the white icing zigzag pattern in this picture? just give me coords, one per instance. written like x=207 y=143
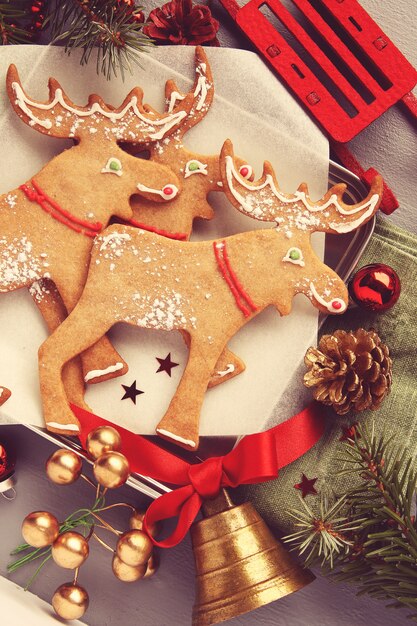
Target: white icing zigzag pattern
x=24 y=103
x=255 y=206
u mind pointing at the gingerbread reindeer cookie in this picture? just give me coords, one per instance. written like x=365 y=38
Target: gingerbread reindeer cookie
x=209 y=289
x=48 y=224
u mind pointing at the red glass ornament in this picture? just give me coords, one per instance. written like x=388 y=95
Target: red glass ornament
x=7 y=465
x=375 y=287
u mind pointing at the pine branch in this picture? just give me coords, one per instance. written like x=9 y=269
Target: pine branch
x=326 y=536
x=375 y=523
x=107 y=28
x=12 y=12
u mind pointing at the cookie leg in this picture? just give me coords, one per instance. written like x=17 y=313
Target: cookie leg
x=49 y=303
x=71 y=338
x=101 y=361
x=180 y=423
x=228 y=366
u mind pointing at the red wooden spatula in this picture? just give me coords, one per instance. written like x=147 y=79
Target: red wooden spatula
x=333 y=56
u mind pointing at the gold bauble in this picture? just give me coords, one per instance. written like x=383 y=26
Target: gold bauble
x=134 y=548
x=70 y=601
x=127 y=573
x=103 y=439
x=40 y=529
x=136 y=523
x=111 y=469
x=152 y=566
x=63 y=467
x=70 y=550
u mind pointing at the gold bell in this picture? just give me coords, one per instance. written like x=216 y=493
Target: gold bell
x=240 y=566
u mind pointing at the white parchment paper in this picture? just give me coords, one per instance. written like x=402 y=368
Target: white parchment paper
x=264 y=122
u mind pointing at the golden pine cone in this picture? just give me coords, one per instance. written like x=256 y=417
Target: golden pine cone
x=349 y=370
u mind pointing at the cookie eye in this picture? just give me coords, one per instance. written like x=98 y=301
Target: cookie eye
x=295 y=256
x=245 y=171
x=113 y=166
x=195 y=167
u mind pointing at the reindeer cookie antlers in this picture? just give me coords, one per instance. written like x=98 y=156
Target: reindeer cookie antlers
x=263 y=200
x=59 y=117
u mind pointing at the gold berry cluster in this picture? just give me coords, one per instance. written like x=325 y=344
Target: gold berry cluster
x=133 y=556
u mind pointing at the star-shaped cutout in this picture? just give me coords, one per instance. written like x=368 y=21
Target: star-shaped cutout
x=306 y=486
x=131 y=391
x=166 y=365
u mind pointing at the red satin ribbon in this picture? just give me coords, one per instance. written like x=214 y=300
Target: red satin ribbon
x=256 y=458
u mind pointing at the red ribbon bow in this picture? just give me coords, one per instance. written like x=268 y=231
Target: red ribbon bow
x=256 y=458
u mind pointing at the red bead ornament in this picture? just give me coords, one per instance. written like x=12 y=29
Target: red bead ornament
x=375 y=287
x=246 y=171
x=7 y=465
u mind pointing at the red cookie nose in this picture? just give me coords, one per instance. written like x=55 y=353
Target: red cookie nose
x=244 y=171
x=336 y=305
x=168 y=191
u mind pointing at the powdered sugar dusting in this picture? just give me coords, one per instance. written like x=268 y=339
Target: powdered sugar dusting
x=17 y=264
x=11 y=200
x=166 y=312
x=112 y=241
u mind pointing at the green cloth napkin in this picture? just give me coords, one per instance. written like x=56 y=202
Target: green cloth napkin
x=398 y=413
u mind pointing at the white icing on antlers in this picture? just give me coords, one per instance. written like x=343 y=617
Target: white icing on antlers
x=173 y=99
x=298 y=196
x=202 y=86
x=201 y=90
x=24 y=103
